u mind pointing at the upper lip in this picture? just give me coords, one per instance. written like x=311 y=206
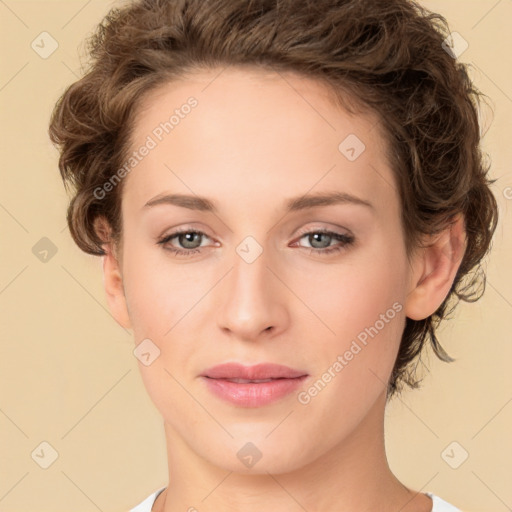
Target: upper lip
x=254 y=372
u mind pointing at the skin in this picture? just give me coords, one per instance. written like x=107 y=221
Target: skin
x=255 y=140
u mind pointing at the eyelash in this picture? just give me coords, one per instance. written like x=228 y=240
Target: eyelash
x=345 y=240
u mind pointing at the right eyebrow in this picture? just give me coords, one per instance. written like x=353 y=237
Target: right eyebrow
x=185 y=201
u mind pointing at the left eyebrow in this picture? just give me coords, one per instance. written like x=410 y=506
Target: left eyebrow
x=325 y=199
x=293 y=204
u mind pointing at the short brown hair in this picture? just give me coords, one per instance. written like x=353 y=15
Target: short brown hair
x=386 y=55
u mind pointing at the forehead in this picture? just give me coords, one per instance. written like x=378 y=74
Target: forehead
x=254 y=135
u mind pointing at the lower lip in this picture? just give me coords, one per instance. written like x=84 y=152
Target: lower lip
x=253 y=394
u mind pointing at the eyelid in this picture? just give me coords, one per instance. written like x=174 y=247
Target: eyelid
x=186 y=229
x=322 y=229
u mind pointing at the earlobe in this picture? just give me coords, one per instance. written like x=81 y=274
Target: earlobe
x=434 y=270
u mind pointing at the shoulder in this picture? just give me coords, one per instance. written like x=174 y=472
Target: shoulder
x=439 y=505
x=147 y=504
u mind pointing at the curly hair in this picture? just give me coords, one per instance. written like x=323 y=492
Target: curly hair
x=386 y=56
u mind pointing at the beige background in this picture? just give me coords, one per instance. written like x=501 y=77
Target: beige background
x=67 y=373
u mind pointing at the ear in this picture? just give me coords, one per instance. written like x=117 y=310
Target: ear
x=434 y=270
x=112 y=278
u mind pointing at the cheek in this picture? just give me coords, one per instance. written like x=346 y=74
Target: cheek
x=356 y=312
x=159 y=293
x=348 y=298
x=353 y=365
x=164 y=301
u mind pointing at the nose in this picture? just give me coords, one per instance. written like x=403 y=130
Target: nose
x=252 y=300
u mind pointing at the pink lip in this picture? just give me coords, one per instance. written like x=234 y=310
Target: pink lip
x=255 y=372
x=284 y=381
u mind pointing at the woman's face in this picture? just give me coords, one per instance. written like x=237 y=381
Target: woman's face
x=261 y=283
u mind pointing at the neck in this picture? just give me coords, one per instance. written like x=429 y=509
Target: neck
x=353 y=476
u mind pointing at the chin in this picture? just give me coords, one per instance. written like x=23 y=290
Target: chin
x=257 y=454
